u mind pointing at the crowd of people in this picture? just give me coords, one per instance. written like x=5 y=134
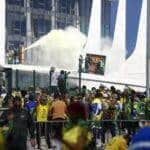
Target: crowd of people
x=79 y=119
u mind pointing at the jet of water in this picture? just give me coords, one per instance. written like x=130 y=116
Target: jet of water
x=59 y=48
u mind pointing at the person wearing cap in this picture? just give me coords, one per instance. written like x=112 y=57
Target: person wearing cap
x=22 y=123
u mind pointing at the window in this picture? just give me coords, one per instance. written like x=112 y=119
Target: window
x=35 y=27
x=14 y=45
x=17 y=27
x=72 y=4
x=34 y=3
x=47 y=26
x=48 y=4
x=41 y=4
x=61 y=25
x=19 y=2
x=64 y=6
x=41 y=27
x=69 y=24
x=23 y=28
x=16 y=2
x=106 y=10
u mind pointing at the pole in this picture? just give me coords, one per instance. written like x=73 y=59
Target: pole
x=9 y=80
x=53 y=14
x=28 y=23
x=50 y=82
x=66 y=74
x=17 y=79
x=28 y=30
x=80 y=72
x=34 y=83
x=77 y=20
x=148 y=51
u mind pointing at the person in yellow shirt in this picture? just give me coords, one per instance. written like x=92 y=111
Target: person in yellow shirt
x=2 y=141
x=97 y=106
x=42 y=126
x=76 y=135
x=118 y=143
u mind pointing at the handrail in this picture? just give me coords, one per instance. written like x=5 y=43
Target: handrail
x=109 y=82
x=92 y=121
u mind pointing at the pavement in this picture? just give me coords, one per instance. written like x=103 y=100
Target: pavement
x=55 y=143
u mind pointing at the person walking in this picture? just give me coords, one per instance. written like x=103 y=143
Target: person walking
x=22 y=123
x=42 y=126
x=58 y=114
x=108 y=115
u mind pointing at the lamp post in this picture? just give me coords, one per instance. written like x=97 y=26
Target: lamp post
x=80 y=72
x=50 y=81
x=148 y=51
x=17 y=79
x=34 y=83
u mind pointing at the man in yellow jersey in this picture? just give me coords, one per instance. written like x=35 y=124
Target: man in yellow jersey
x=118 y=143
x=97 y=106
x=42 y=113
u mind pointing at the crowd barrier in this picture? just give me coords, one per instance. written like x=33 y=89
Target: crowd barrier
x=101 y=131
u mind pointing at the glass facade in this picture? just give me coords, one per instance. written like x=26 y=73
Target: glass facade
x=109 y=13
x=64 y=12
x=40 y=27
x=66 y=6
x=41 y=4
x=132 y=23
x=106 y=5
x=85 y=11
x=16 y=2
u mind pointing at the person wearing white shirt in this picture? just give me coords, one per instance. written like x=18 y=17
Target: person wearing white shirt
x=54 y=80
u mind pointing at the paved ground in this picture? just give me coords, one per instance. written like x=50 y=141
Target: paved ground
x=57 y=144
x=44 y=145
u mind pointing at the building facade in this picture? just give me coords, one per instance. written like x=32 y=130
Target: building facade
x=28 y=20
x=45 y=15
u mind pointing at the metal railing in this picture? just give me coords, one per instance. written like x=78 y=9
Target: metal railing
x=102 y=131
